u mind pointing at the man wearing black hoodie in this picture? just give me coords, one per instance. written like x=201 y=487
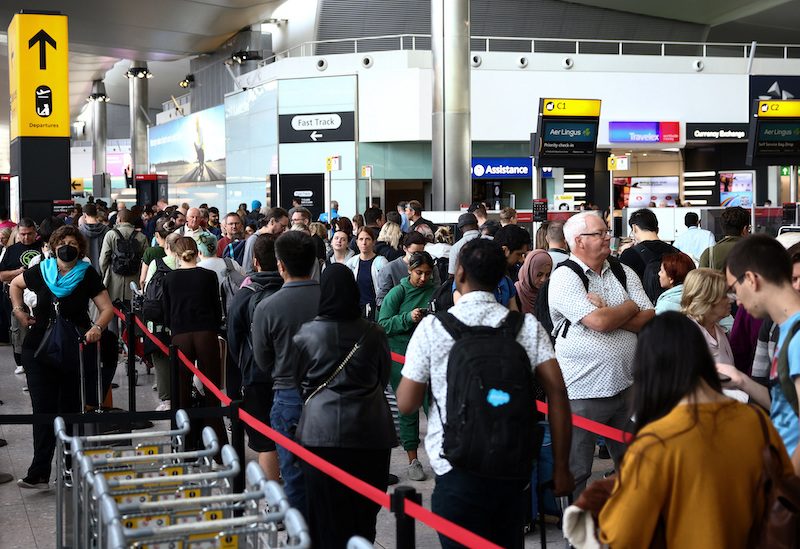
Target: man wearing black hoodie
x=94 y=231
x=256 y=383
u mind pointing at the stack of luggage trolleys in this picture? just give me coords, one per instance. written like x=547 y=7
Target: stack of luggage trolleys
x=143 y=489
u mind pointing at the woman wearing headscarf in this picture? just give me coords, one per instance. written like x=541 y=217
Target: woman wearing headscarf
x=343 y=365
x=63 y=284
x=534 y=273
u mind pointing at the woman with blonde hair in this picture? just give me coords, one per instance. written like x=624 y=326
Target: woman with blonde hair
x=705 y=300
x=388 y=243
x=194 y=317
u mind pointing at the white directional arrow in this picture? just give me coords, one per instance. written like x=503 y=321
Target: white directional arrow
x=315 y=135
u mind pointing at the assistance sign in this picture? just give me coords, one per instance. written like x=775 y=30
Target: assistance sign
x=38 y=76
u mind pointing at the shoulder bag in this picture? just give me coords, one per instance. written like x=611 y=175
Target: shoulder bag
x=338 y=370
x=61 y=340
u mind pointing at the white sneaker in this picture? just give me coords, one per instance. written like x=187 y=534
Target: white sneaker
x=19 y=370
x=199 y=385
x=165 y=406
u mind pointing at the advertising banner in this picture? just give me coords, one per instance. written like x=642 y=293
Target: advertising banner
x=644 y=132
x=190 y=149
x=736 y=189
x=653 y=191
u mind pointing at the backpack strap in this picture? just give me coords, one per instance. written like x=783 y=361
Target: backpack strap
x=575 y=268
x=646 y=253
x=787 y=385
x=512 y=324
x=618 y=270
x=454 y=327
x=228 y=265
x=119 y=234
x=161 y=265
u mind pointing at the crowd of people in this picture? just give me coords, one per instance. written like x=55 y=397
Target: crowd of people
x=301 y=317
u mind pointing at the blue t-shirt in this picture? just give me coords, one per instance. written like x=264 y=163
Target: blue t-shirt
x=505 y=291
x=783 y=416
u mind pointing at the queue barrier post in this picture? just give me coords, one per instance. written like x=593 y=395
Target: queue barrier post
x=130 y=321
x=174 y=365
x=406 y=536
x=237 y=441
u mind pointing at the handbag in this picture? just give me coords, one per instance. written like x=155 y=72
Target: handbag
x=779 y=525
x=60 y=342
x=338 y=370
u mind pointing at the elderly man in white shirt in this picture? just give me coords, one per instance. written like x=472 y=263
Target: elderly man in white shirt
x=694 y=241
x=595 y=333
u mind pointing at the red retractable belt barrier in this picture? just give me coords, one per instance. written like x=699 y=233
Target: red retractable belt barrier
x=440 y=524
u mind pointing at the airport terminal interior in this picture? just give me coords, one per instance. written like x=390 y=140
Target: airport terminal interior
x=446 y=121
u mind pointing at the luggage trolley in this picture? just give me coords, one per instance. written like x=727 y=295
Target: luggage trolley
x=129 y=485
x=224 y=521
x=106 y=446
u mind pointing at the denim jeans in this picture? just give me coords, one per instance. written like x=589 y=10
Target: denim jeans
x=490 y=507
x=285 y=415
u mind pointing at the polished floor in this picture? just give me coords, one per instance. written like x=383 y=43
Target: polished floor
x=27 y=517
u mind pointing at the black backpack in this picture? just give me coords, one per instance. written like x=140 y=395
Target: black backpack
x=153 y=304
x=441 y=266
x=491 y=425
x=245 y=359
x=442 y=297
x=542 y=308
x=126 y=256
x=652 y=264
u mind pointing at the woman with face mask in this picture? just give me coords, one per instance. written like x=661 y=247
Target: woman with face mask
x=62 y=279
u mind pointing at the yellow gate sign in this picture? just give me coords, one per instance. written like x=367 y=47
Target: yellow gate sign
x=38 y=76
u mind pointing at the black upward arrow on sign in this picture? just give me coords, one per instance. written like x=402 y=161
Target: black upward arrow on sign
x=42 y=38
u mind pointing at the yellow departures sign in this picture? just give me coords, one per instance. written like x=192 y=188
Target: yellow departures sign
x=38 y=76
x=787 y=108
x=570 y=107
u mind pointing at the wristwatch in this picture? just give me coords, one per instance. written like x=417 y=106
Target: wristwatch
x=100 y=329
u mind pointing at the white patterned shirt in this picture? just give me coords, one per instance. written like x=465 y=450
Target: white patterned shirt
x=429 y=350
x=594 y=364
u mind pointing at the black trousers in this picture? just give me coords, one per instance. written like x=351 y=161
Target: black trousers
x=335 y=512
x=492 y=508
x=53 y=390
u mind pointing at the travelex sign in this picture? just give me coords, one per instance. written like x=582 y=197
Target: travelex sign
x=644 y=132
x=501 y=168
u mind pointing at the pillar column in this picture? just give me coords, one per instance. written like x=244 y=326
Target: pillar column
x=137 y=76
x=98 y=99
x=451 y=142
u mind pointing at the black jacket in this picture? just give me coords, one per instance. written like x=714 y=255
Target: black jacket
x=384 y=249
x=352 y=411
x=240 y=317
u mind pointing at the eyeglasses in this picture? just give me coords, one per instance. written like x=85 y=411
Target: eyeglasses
x=731 y=291
x=599 y=234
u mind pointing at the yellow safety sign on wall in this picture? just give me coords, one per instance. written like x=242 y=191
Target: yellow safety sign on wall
x=38 y=76
x=789 y=108
x=77 y=185
x=570 y=107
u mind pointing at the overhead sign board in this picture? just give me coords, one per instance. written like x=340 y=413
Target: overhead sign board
x=789 y=108
x=567 y=133
x=570 y=107
x=775 y=134
x=38 y=76
x=501 y=168
x=716 y=132
x=316 y=127
x=644 y=132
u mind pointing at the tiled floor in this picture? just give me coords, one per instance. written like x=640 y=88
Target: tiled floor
x=27 y=518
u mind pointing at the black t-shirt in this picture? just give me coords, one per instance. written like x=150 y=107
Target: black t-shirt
x=191 y=298
x=20 y=255
x=74 y=307
x=633 y=259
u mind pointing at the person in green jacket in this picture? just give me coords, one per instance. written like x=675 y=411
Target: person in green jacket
x=402 y=309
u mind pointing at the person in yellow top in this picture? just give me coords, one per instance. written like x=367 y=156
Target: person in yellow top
x=690 y=477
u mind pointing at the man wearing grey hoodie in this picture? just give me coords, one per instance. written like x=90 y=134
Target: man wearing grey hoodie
x=94 y=231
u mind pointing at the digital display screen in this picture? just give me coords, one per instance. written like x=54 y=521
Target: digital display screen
x=774 y=141
x=567 y=142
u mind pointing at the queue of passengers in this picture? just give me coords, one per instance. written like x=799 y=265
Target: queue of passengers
x=331 y=325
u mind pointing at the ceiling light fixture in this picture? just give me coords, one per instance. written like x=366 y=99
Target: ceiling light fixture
x=245 y=55
x=138 y=72
x=187 y=82
x=98 y=97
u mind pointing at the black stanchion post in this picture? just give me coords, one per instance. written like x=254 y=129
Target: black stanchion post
x=174 y=364
x=130 y=320
x=406 y=537
x=237 y=440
